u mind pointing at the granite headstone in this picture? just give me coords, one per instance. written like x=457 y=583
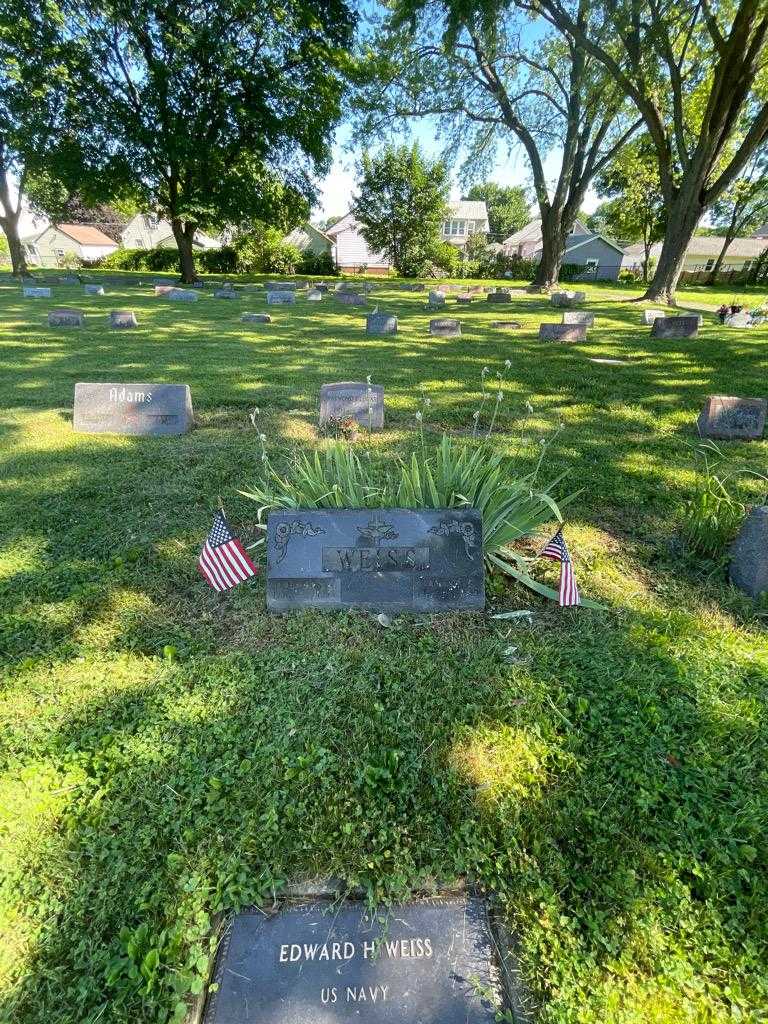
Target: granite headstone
x=281 y=298
x=314 y=295
x=347 y=298
x=121 y=319
x=567 y=298
x=358 y=400
x=576 y=316
x=511 y=325
x=675 y=327
x=182 y=295
x=562 y=332
x=145 y=409
x=649 y=315
x=729 y=419
x=256 y=318
x=749 y=554
x=428 y=962
x=36 y=292
x=424 y=560
x=94 y=289
x=226 y=293
x=499 y=296
x=66 y=318
x=380 y=323
x=445 y=328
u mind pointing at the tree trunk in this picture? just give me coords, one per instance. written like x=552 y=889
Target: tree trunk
x=9 y=221
x=712 y=276
x=552 y=249
x=682 y=219
x=184 y=234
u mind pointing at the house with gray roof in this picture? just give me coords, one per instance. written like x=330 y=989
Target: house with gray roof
x=307 y=236
x=702 y=253
x=466 y=217
x=599 y=255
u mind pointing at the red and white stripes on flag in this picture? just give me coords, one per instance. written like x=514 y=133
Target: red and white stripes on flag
x=223 y=561
x=557 y=550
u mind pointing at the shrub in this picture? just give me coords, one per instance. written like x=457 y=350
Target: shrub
x=445 y=260
x=140 y=259
x=217 y=261
x=318 y=264
x=263 y=251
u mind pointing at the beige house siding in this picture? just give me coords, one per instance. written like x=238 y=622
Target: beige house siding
x=52 y=247
x=145 y=231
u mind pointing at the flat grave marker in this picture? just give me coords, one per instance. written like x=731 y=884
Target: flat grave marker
x=347 y=298
x=66 y=318
x=182 y=295
x=562 y=332
x=94 y=289
x=281 y=298
x=675 y=327
x=511 y=325
x=729 y=419
x=31 y=292
x=445 y=328
x=311 y=962
x=356 y=399
x=121 y=319
x=567 y=298
x=149 y=410
x=419 y=560
x=499 y=296
x=226 y=293
x=256 y=318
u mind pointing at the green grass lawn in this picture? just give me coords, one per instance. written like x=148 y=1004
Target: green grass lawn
x=169 y=753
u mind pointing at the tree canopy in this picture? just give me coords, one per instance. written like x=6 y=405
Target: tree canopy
x=214 y=110
x=401 y=202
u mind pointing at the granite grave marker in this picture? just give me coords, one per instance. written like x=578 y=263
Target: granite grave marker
x=315 y=295
x=675 y=327
x=729 y=419
x=511 y=325
x=749 y=554
x=144 y=409
x=256 y=318
x=358 y=400
x=281 y=298
x=576 y=316
x=36 y=293
x=66 y=318
x=380 y=323
x=445 y=328
x=562 y=332
x=649 y=315
x=182 y=295
x=226 y=293
x=424 y=560
x=94 y=289
x=499 y=296
x=427 y=962
x=350 y=298
x=567 y=298
x=121 y=319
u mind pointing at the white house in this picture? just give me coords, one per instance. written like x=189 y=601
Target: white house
x=466 y=217
x=351 y=253
x=528 y=240
x=702 y=253
x=307 y=236
x=54 y=244
x=146 y=231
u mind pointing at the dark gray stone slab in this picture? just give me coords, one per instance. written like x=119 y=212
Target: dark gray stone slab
x=94 y=289
x=567 y=298
x=380 y=323
x=145 y=409
x=256 y=318
x=562 y=332
x=733 y=419
x=281 y=298
x=280 y=286
x=445 y=328
x=576 y=316
x=499 y=296
x=749 y=555
x=425 y=560
x=121 y=319
x=510 y=325
x=363 y=402
x=182 y=295
x=66 y=318
x=464 y=300
x=675 y=327
x=350 y=298
x=317 y=963
x=36 y=292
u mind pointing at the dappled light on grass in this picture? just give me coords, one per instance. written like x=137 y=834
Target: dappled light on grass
x=503 y=764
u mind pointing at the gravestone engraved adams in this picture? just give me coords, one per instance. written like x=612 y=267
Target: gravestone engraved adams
x=429 y=962
x=66 y=318
x=150 y=410
x=562 y=332
x=675 y=327
x=281 y=298
x=36 y=293
x=121 y=319
x=363 y=402
x=445 y=328
x=424 y=560
x=94 y=289
x=380 y=323
x=730 y=419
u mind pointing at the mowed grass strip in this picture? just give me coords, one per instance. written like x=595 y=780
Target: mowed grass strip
x=169 y=753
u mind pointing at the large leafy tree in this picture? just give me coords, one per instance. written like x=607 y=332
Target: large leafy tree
x=35 y=64
x=635 y=210
x=401 y=203
x=742 y=208
x=507 y=207
x=215 y=110
x=696 y=73
x=494 y=83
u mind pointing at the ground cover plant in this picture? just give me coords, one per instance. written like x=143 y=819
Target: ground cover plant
x=169 y=753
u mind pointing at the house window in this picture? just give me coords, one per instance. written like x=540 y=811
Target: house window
x=709 y=264
x=455 y=227
x=59 y=252
x=591 y=266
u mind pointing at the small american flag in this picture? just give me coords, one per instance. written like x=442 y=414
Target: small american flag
x=223 y=561
x=557 y=550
